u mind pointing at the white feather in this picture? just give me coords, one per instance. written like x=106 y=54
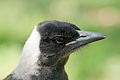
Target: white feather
x=28 y=62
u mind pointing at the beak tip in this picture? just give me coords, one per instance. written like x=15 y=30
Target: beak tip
x=104 y=36
x=101 y=36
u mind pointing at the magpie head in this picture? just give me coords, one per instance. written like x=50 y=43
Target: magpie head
x=59 y=39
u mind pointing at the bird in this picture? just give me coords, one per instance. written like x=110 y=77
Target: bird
x=48 y=48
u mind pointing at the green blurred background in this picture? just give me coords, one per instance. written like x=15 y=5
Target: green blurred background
x=98 y=61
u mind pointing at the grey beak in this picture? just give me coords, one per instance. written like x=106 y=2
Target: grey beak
x=86 y=37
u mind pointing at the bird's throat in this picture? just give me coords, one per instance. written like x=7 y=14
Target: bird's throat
x=61 y=63
x=50 y=73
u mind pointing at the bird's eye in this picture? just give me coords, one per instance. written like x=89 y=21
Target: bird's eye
x=59 y=39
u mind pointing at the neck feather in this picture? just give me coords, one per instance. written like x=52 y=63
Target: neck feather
x=28 y=62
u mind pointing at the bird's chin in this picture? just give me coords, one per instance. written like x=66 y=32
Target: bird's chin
x=77 y=47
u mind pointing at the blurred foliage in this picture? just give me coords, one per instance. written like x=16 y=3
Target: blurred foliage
x=98 y=61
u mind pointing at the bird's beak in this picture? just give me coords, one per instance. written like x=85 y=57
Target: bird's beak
x=86 y=37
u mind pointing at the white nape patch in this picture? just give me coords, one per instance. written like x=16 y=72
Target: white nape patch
x=28 y=62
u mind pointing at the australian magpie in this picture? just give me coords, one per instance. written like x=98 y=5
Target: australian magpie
x=47 y=50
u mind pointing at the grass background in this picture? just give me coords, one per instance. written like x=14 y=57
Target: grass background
x=98 y=61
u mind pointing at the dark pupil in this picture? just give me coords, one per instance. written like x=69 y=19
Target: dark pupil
x=59 y=39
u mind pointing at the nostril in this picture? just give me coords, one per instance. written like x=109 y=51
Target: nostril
x=82 y=36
